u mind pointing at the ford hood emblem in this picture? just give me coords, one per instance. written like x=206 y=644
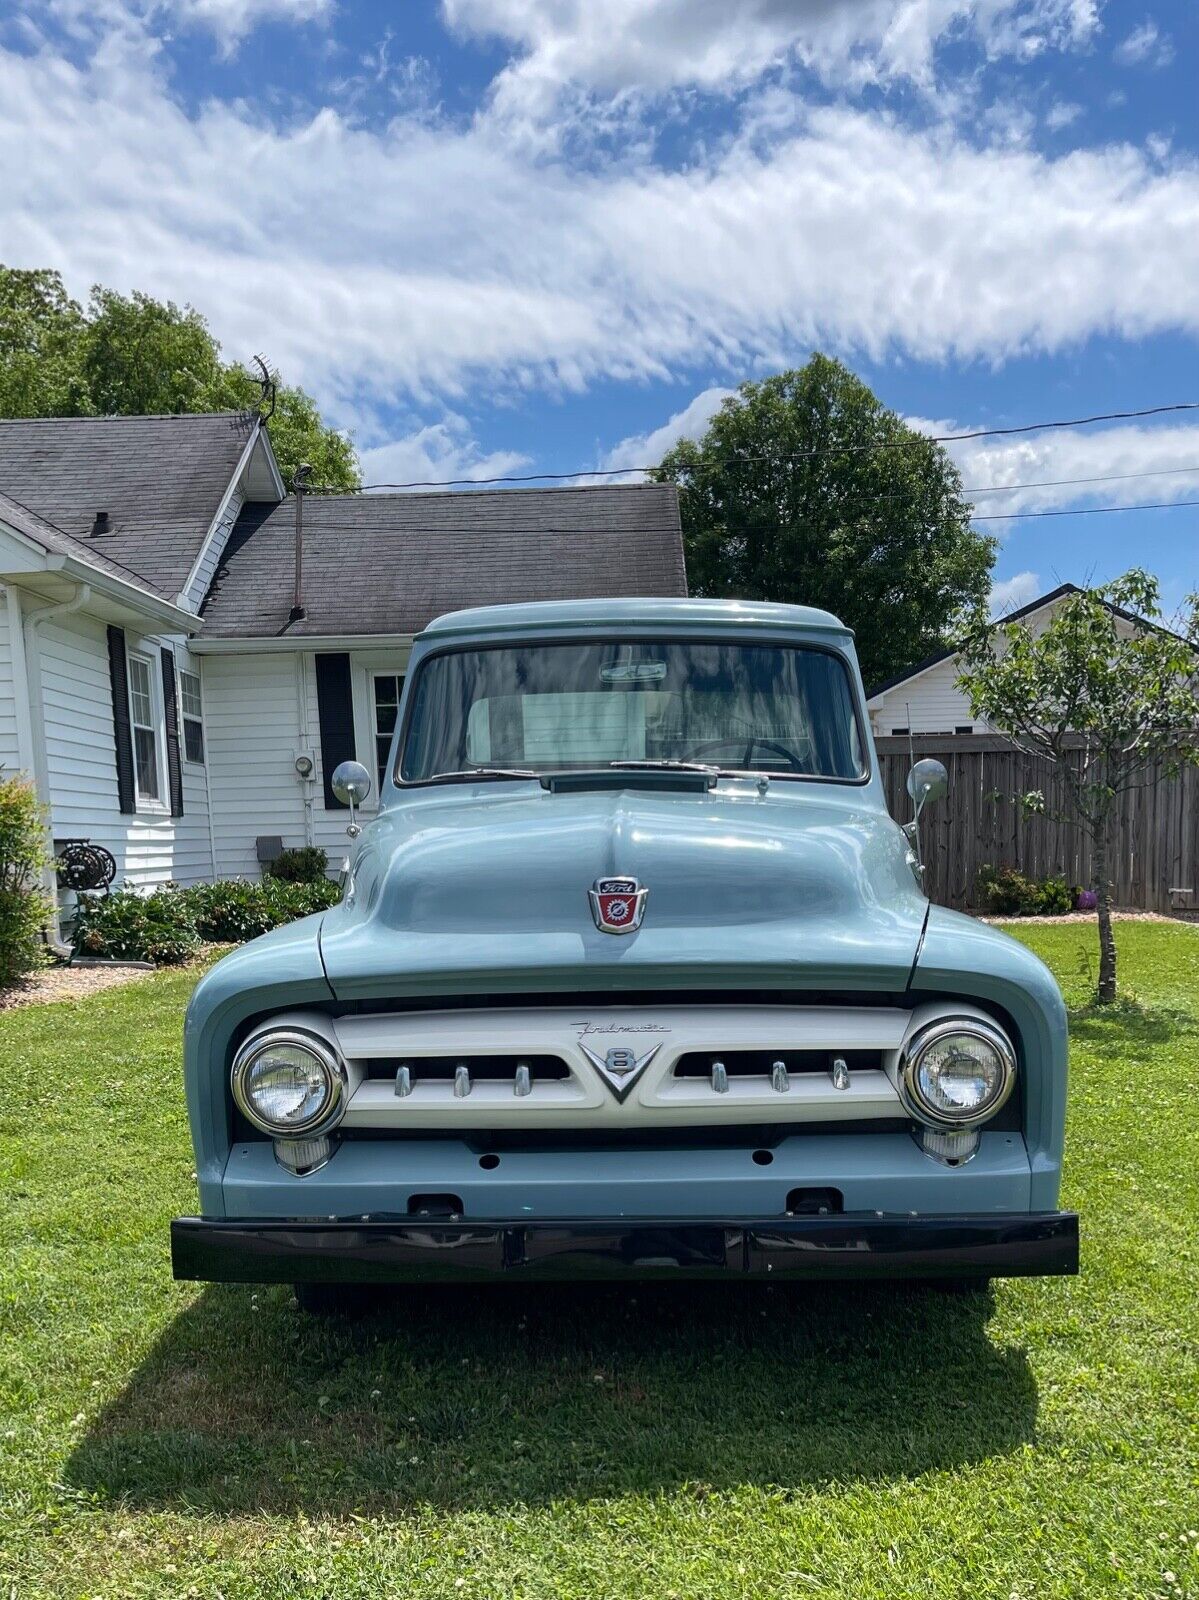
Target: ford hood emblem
x=617 y=904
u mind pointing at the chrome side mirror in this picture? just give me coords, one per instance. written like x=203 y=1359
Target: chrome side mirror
x=351 y=783
x=927 y=780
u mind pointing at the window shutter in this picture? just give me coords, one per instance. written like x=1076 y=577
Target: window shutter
x=118 y=672
x=335 y=711
x=170 y=708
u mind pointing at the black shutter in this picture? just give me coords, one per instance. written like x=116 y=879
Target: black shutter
x=170 y=707
x=118 y=672
x=335 y=709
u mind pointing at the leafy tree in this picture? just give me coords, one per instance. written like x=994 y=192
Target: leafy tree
x=132 y=355
x=806 y=488
x=41 y=347
x=1112 y=708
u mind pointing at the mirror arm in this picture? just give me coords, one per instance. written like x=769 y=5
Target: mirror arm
x=355 y=827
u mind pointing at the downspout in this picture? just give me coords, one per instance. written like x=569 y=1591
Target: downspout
x=30 y=624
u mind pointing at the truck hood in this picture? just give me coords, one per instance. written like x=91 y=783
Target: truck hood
x=483 y=888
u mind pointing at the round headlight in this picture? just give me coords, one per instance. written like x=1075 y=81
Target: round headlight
x=957 y=1072
x=289 y=1083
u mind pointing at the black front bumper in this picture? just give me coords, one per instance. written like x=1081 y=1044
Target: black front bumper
x=406 y=1251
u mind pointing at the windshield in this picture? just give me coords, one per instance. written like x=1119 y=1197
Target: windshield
x=561 y=707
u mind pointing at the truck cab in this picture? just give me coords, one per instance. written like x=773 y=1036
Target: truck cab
x=633 y=974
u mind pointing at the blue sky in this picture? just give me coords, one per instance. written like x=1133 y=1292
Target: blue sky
x=540 y=235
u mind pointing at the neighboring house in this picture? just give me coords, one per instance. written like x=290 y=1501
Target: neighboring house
x=927 y=699
x=159 y=683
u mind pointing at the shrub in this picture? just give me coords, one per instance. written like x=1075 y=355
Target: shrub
x=169 y=925
x=23 y=903
x=127 y=926
x=1008 y=893
x=309 y=864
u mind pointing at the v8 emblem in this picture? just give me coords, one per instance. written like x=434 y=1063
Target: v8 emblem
x=620 y=1067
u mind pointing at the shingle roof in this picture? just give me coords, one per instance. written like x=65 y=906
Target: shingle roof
x=160 y=479
x=391 y=563
x=27 y=521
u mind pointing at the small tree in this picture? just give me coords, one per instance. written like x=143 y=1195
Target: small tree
x=1111 y=707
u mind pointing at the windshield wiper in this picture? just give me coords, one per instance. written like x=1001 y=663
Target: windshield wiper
x=666 y=766
x=481 y=772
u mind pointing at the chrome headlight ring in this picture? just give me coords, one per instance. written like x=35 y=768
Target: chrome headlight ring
x=329 y=1062
x=937 y=1032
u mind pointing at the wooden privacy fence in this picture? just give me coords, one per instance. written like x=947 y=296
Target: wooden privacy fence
x=1155 y=856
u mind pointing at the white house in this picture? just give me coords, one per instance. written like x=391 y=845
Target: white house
x=926 y=698
x=179 y=688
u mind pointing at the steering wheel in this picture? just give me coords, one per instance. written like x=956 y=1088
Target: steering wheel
x=745 y=763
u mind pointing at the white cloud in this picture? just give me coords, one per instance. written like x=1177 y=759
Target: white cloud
x=229 y=21
x=1062 y=114
x=1135 y=466
x=647 y=449
x=423 y=260
x=435 y=452
x=1009 y=594
x=1145 y=46
x=653 y=46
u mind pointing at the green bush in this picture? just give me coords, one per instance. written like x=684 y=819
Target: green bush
x=1008 y=893
x=308 y=864
x=127 y=926
x=169 y=925
x=23 y=903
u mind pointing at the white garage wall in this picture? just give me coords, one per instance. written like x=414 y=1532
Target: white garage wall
x=930 y=703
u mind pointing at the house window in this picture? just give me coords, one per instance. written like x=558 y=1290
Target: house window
x=895 y=731
x=191 y=714
x=388 y=687
x=143 y=715
x=964 y=727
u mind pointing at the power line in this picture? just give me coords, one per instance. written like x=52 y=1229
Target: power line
x=1083 y=511
x=893 y=444
x=1065 y=483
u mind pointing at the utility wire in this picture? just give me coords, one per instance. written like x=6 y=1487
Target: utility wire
x=893 y=444
x=1083 y=511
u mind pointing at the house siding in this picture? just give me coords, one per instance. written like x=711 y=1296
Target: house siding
x=930 y=703
x=150 y=848
x=261 y=711
x=10 y=754
x=193 y=595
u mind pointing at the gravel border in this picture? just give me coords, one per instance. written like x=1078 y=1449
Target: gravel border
x=68 y=983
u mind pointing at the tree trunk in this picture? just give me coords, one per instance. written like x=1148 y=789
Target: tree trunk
x=1106 y=992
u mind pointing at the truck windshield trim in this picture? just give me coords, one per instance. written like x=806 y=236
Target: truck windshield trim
x=552 y=705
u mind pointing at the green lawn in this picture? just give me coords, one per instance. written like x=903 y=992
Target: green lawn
x=163 y=1439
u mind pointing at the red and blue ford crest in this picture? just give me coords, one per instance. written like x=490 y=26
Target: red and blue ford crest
x=617 y=904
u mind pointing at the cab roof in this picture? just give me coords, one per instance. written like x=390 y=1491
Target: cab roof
x=570 y=615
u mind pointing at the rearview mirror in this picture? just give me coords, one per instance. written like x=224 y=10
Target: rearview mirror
x=351 y=783
x=928 y=780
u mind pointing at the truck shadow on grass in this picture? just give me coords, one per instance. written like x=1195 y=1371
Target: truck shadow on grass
x=466 y=1397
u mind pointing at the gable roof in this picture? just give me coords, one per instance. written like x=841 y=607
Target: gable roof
x=380 y=564
x=1017 y=615
x=1008 y=616
x=161 y=480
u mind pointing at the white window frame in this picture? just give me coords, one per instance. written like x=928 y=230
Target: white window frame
x=373 y=676
x=186 y=716
x=147 y=658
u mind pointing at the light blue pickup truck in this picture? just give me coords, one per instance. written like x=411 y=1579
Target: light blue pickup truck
x=633 y=974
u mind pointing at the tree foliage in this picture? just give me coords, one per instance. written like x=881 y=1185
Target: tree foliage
x=806 y=488
x=132 y=355
x=1112 y=706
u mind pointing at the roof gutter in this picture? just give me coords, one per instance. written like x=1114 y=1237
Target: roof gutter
x=274 y=643
x=173 y=618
